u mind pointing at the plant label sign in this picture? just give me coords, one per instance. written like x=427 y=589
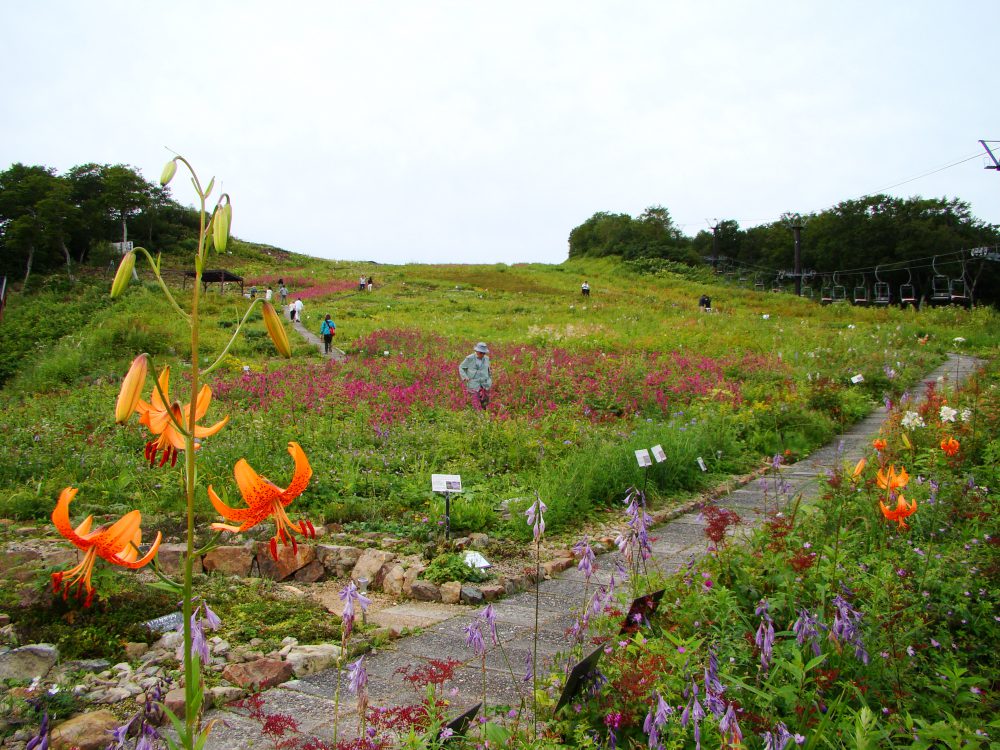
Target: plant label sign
x=642 y=456
x=701 y=464
x=859 y=378
x=165 y=624
x=658 y=454
x=446 y=483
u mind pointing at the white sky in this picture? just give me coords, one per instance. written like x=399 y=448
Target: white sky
x=484 y=132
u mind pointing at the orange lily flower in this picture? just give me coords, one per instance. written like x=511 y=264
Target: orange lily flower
x=156 y=415
x=879 y=444
x=950 y=446
x=858 y=468
x=889 y=480
x=901 y=511
x=264 y=499
x=118 y=543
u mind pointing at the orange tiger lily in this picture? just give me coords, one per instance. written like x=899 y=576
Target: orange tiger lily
x=156 y=415
x=879 y=444
x=901 y=511
x=265 y=499
x=889 y=480
x=950 y=446
x=118 y=543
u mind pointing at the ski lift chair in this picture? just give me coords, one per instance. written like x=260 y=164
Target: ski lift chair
x=861 y=293
x=883 y=295
x=776 y=285
x=958 y=290
x=907 y=291
x=826 y=291
x=758 y=285
x=839 y=290
x=940 y=286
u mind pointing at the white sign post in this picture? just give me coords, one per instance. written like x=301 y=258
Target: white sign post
x=642 y=456
x=446 y=483
x=658 y=453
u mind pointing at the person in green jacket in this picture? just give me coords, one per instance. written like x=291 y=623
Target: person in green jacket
x=475 y=373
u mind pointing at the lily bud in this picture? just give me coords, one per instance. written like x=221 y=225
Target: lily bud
x=123 y=275
x=168 y=172
x=276 y=331
x=131 y=390
x=220 y=227
x=858 y=468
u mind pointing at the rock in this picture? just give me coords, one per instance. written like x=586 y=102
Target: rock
x=338 y=560
x=223 y=694
x=169 y=641
x=425 y=591
x=109 y=695
x=306 y=660
x=28 y=662
x=471 y=595
x=478 y=541
x=220 y=647
x=259 y=674
x=86 y=665
x=393 y=581
x=170 y=558
x=4 y=619
x=293 y=590
x=552 y=567
x=135 y=650
x=461 y=543
x=174 y=700
x=230 y=561
x=411 y=576
x=311 y=573
x=451 y=592
x=87 y=731
x=289 y=559
x=493 y=591
x=373 y=565
x=240 y=654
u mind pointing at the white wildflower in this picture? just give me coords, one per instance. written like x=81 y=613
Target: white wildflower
x=966 y=414
x=911 y=419
x=948 y=414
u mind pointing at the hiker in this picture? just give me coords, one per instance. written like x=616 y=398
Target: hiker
x=329 y=330
x=362 y=283
x=585 y=289
x=297 y=308
x=705 y=303
x=475 y=373
x=283 y=293
x=268 y=294
x=371 y=283
x=253 y=292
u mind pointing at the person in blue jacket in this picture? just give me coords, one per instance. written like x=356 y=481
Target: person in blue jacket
x=475 y=373
x=329 y=330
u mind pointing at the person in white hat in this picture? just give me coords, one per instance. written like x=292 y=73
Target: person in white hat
x=475 y=373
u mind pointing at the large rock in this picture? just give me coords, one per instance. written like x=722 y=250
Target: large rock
x=426 y=591
x=258 y=675
x=373 y=565
x=170 y=558
x=290 y=559
x=339 y=560
x=493 y=591
x=451 y=592
x=306 y=660
x=28 y=662
x=87 y=731
x=412 y=575
x=393 y=582
x=471 y=595
x=230 y=560
x=311 y=573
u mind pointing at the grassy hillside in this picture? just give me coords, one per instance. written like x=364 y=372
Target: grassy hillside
x=580 y=383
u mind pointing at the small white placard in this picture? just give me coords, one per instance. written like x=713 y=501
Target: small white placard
x=642 y=456
x=658 y=454
x=859 y=378
x=474 y=560
x=446 y=482
x=701 y=464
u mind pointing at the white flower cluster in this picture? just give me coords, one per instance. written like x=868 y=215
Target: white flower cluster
x=911 y=419
x=948 y=414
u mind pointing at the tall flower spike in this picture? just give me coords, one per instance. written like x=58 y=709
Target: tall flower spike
x=535 y=517
x=264 y=499
x=118 y=543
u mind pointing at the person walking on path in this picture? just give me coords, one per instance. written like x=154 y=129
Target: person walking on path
x=268 y=295
x=298 y=310
x=329 y=330
x=585 y=289
x=475 y=373
x=283 y=293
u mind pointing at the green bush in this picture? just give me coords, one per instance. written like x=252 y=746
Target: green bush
x=452 y=567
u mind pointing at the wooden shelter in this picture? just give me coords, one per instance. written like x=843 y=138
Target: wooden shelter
x=215 y=277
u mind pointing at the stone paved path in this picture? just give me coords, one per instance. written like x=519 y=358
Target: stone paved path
x=310 y=700
x=337 y=355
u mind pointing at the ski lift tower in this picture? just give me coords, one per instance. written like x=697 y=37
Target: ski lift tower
x=795 y=224
x=996 y=163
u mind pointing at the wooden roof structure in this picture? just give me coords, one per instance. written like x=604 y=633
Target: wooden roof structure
x=221 y=277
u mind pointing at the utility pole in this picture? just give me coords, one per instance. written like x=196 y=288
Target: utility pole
x=797 y=239
x=715 y=244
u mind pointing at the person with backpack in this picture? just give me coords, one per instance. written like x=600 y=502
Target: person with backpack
x=329 y=330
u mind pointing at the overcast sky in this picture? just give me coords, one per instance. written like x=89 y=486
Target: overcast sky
x=484 y=132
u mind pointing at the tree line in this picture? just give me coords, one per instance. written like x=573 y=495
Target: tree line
x=903 y=235
x=50 y=221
